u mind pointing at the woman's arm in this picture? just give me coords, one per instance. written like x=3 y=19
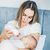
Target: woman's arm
x=36 y=35
x=6 y=34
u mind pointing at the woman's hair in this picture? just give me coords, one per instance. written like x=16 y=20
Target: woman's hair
x=28 y=4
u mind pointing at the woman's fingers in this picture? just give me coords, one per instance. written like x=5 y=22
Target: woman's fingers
x=7 y=33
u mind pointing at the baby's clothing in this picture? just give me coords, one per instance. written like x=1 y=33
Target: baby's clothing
x=26 y=30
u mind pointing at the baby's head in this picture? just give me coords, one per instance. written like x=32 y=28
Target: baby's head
x=30 y=42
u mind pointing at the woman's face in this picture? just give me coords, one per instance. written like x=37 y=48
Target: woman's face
x=27 y=16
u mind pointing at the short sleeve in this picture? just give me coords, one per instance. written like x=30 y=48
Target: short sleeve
x=35 y=28
x=10 y=25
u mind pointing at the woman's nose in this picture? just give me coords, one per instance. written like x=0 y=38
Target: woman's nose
x=26 y=19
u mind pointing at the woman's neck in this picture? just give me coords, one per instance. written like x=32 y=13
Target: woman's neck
x=23 y=24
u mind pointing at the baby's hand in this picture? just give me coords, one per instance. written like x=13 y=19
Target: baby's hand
x=19 y=36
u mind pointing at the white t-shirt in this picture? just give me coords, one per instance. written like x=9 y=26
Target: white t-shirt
x=34 y=28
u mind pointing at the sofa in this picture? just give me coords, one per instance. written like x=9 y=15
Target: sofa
x=7 y=14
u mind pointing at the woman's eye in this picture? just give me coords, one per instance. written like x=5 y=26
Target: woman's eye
x=30 y=17
x=24 y=14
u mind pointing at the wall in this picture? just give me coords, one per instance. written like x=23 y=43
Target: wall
x=11 y=3
x=42 y=4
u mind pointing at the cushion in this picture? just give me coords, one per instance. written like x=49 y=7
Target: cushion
x=41 y=42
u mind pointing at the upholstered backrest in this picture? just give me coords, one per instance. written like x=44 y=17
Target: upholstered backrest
x=7 y=14
x=41 y=42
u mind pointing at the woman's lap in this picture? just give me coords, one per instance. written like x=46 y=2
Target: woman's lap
x=7 y=45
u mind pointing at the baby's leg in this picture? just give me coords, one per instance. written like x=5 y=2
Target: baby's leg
x=7 y=45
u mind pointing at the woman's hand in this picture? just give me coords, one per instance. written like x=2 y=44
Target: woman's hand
x=36 y=35
x=6 y=34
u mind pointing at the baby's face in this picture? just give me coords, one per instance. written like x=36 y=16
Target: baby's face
x=29 y=42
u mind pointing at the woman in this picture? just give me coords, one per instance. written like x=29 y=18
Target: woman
x=28 y=18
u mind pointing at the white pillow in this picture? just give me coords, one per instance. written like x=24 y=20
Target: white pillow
x=41 y=42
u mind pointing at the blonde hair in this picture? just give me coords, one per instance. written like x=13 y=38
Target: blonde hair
x=28 y=4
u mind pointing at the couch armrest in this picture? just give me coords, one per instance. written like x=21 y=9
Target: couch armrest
x=41 y=42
